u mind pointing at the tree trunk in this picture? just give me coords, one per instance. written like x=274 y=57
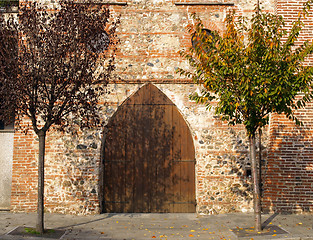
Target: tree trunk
x=256 y=186
x=260 y=161
x=41 y=162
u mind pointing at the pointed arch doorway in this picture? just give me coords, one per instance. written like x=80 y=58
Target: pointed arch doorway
x=148 y=157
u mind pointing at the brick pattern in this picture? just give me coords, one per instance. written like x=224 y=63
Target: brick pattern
x=290 y=9
x=152 y=33
x=71 y=179
x=72 y=162
x=24 y=172
x=288 y=170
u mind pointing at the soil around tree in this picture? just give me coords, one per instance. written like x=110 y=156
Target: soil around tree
x=272 y=230
x=31 y=232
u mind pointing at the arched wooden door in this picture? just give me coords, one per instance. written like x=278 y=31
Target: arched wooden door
x=149 y=161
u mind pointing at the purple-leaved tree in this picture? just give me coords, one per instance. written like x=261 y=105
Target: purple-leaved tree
x=55 y=65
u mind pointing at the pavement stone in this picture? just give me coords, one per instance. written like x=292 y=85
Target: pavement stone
x=166 y=226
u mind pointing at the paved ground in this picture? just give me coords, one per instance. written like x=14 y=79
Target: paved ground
x=160 y=226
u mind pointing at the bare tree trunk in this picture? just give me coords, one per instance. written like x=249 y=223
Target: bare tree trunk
x=41 y=161
x=256 y=186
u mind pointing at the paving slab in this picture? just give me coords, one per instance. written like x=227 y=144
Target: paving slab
x=161 y=226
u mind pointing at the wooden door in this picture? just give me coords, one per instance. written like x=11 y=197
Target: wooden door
x=149 y=161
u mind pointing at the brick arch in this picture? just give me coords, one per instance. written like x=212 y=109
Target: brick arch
x=148 y=162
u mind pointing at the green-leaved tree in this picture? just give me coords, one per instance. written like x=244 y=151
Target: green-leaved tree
x=254 y=68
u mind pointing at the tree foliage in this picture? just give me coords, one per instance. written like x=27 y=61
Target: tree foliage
x=58 y=72
x=254 y=68
x=8 y=64
x=56 y=64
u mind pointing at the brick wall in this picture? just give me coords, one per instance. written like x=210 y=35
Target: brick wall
x=290 y=9
x=71 y=177
x=289 y=167
x=288 y=178
x=72 y=161
x=24 y=172
x=152 y=33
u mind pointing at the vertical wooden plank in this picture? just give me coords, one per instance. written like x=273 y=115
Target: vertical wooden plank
x=184 y=167
x=153 y=157
x=118 y=186
x=142 y=96
x=107 y=174
x=138 y=147
x=145 y=181
x=187 y=168
x=140 y=139
x=176 y=166
x=118 y=163
x=133 y=139
x=168 y=159
x=191 y=173
x=114 y=165
x=130 y=161
x=110 y=168
x=160 y=150
x=157 y=97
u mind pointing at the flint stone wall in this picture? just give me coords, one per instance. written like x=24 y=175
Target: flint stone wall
x=72 y=161
x=152 y=33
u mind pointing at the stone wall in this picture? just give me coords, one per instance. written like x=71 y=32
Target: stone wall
x=152 y=32
x=72 y=161
x=71 y=172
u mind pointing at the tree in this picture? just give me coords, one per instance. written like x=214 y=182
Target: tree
x=253 y=69
x=57 y=72
x=8 y=60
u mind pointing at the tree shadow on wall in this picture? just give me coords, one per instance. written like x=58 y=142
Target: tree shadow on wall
x=77 y=179
x=238 y=164
x=289 y=170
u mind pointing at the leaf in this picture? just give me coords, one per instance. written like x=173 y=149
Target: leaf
x=190 y=235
